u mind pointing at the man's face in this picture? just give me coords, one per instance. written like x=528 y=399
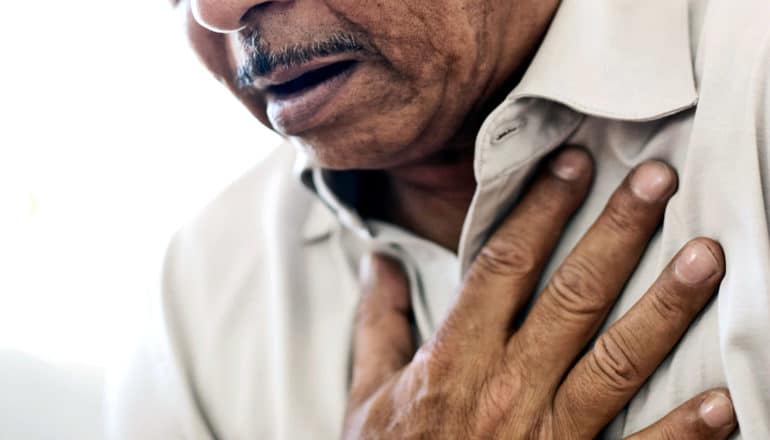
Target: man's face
x=367 y=83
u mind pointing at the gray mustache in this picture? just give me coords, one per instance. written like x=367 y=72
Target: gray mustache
x=260 y=60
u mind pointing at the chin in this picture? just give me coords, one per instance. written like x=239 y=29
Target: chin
x=365 y=118
x=356 y=147
x=349 y=153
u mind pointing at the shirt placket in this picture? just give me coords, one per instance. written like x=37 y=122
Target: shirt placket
x=514 y=138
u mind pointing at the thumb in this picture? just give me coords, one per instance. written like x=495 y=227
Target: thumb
x=382 y=338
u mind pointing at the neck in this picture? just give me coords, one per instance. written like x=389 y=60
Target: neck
x=432 y=198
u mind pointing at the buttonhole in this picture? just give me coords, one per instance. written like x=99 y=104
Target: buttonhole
x=510 y=131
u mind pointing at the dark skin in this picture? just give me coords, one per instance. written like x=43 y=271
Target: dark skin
x=481 y=376
x=426 y=75
x=413 y=108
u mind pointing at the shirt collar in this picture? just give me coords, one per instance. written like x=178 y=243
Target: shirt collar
x=627 y=60
x=330 y=210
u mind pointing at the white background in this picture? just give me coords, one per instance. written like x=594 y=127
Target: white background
x=111 y=136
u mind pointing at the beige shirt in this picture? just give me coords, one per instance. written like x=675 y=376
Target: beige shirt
x=259 y=291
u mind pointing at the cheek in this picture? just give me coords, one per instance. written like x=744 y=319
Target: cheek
x=411 y=103
x=387 y=122
x=421 y=40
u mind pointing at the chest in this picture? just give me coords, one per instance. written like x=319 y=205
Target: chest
x=303 y=359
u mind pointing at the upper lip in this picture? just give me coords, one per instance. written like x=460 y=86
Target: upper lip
x=285 y=74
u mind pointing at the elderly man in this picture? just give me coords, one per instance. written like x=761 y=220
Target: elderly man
x=414 y=127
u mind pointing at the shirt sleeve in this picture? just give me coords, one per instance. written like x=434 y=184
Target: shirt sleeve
x=140 y=403
x=149 y=396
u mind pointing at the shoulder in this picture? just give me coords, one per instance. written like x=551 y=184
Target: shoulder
x=242 y=208
x=239 y=223
x=215 y=266
x=231 y=243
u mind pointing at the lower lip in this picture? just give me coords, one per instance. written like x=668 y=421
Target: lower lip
x=304 y=110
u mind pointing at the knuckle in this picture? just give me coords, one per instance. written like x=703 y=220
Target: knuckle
x=662 y=431
x=574 y=285
x=668 y=431
x=612 y=363
x=508 y=256
x=668 y=302
x=552 y=197
x=621 y=214
x=497 y=396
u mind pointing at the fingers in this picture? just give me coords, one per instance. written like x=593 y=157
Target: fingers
x=709 y=416
x=576 y=301
x=509 y=266
x=622 y=359
x=382 y=338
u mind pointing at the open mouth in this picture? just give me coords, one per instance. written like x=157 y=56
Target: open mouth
x=300 y=98
x=311 y=79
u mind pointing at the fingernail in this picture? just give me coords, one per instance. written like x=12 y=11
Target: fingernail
x=570 y=164
x=695 y=264
x=652 y=181
x=717 y=411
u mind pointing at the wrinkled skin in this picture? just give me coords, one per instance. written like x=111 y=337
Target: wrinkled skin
x=437 y=70
x=482 y=375
x=433 y=71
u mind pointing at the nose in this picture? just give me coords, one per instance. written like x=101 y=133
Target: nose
x=224 y=15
